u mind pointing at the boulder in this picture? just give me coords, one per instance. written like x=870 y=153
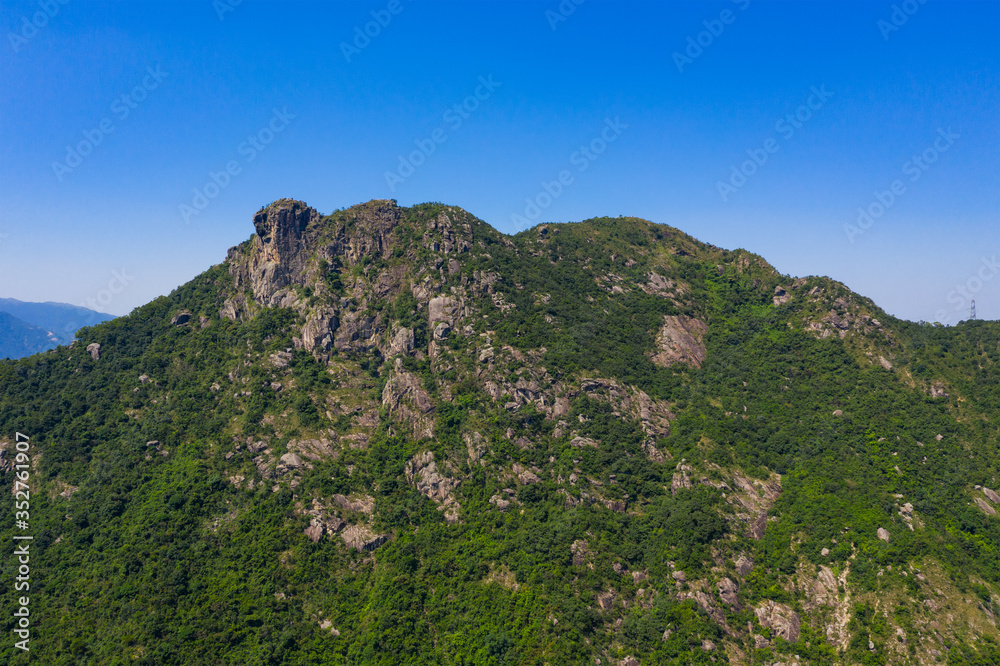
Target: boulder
x=991 y=496
x=727 y=592
x=94 y=350
x=883 y=534
x=985 y=507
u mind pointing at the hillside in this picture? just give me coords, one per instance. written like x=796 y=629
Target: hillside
x=395 y=435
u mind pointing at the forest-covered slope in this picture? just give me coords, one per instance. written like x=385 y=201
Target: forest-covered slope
x=394 y=435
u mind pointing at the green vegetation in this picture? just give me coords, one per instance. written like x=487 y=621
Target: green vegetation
x=152 y=546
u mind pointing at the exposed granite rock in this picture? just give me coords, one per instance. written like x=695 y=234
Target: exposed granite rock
x=422 y=471
x=985 y=506
x=319 y=331
x=406 y=401
x=279 y=252
x=356 y=502
x=991 y=495
x=727 y=592
x=754 y=498
x=94 y=349
x=313 y=449
x=361 y=537
x=680 y=341
x=476 y=446
x=322 y=521
x=579 y=551
x=401 y=343
x=355 y=332
x=780 y=619
x=882 y=534
x=938 y=391
x=680 y=479
x=744 y=565
x=499 y=502
x=654 y=416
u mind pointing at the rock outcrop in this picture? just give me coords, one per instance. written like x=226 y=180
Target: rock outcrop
x=422 y=471
x=407 y=402
x=780 y=619
x=680 y=341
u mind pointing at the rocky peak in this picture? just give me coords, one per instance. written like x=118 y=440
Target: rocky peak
x=277 y=255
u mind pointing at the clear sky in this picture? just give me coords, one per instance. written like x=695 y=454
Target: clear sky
x=137 y=139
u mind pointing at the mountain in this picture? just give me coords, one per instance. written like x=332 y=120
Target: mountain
x=395 y=435
x=19 y=338
x=61 y=319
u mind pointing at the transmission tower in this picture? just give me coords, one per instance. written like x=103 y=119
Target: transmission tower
x=972 y=311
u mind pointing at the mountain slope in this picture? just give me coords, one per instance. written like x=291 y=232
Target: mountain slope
x=396 y=435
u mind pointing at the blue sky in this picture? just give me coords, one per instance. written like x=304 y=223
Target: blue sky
x=138 y=139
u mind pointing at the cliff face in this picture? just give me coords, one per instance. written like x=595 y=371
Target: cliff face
x=396 y=427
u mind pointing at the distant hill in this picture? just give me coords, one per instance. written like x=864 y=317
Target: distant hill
x=19 y=338
x=30 y=328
